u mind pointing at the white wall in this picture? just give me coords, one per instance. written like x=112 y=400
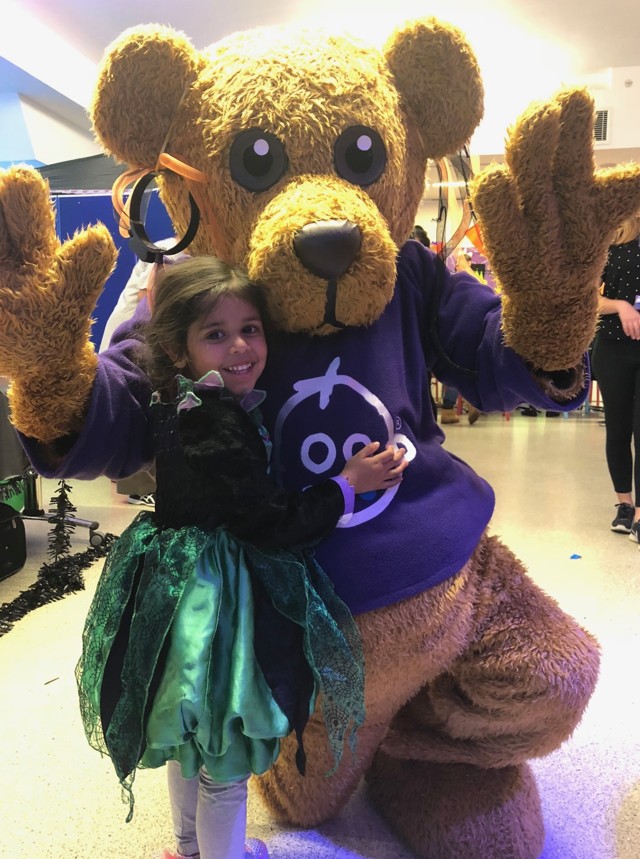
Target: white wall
x=15 y=142
x=52 y=138
x=619 y=93
x=32 y=46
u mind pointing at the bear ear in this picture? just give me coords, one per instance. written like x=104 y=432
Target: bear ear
x=439 y=82
x=143 y=78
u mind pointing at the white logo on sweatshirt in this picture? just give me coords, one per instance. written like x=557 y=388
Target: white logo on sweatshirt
x=318 y=451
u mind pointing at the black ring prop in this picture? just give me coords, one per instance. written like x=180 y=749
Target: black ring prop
x=140 y=243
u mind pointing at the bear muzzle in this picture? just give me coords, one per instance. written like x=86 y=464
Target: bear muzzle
x=322 y=251
x=327 y=249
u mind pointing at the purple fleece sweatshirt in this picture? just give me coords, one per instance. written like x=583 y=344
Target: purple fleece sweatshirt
x=328 y=395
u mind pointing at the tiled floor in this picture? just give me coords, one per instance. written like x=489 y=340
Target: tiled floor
x=554 y=505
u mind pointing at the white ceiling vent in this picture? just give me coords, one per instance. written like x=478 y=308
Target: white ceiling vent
x=602 y=127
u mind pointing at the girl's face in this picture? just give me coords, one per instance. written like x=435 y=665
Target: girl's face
x=228 y=338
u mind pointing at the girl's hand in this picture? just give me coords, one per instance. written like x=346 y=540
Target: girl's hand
x=369 y=471
x=630 y=319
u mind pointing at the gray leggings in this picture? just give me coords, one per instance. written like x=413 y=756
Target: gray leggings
x=209 y=819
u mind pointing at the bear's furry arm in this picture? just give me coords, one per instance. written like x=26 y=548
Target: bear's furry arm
x=562 y=386
x=463 y=342
x=220 y=439
x=547 y=218
x=116 y=437
x=47 y=294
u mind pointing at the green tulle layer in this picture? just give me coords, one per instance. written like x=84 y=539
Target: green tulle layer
x=191 y=592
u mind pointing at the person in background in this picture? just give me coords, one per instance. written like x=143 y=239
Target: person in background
x=463 y=263
x=140 y=487
x=213 y=630
x=420 y=234
x=13 y=459
x=616 y=362
x=448 y=412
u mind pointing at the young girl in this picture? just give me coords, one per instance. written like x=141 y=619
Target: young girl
x=212 y=629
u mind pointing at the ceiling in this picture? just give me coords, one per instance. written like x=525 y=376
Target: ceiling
x=526 y=48
x=597 y=34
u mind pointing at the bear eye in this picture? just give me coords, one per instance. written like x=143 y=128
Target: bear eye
x=257 y=159
x=359 y=155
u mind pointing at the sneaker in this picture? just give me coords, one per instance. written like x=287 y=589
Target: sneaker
x=529 y=411
x=624 y=518
x=634 y=533
x=473 y=414
x=148 y=500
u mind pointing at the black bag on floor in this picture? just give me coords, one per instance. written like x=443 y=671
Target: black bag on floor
x=13 y=541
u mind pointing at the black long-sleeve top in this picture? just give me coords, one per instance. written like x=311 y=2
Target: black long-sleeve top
x=212 y=470
x=621 y=278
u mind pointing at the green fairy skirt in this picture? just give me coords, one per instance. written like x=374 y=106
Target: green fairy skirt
x=200 y=648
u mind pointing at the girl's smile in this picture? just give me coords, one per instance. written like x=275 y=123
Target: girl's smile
x=230 y=339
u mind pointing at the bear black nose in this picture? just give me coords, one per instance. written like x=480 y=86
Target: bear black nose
x=327 y=248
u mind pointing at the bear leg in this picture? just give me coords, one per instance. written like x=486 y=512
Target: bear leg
x=311 y=799
x=449 y=811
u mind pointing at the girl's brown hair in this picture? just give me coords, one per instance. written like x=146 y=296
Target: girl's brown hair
x=183 y=293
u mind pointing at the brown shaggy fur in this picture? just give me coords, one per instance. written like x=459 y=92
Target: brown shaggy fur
x=466 y=681
x=47 y=294
x=450 y=811
x=547 y=220
x=464 y=684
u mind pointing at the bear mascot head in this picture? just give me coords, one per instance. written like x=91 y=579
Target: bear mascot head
x=308 y=172
x=305 y=154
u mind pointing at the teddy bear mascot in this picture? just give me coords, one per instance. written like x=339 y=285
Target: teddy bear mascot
x=305 y=154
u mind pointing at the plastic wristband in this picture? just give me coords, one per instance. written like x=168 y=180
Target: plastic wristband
x=348 y=494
